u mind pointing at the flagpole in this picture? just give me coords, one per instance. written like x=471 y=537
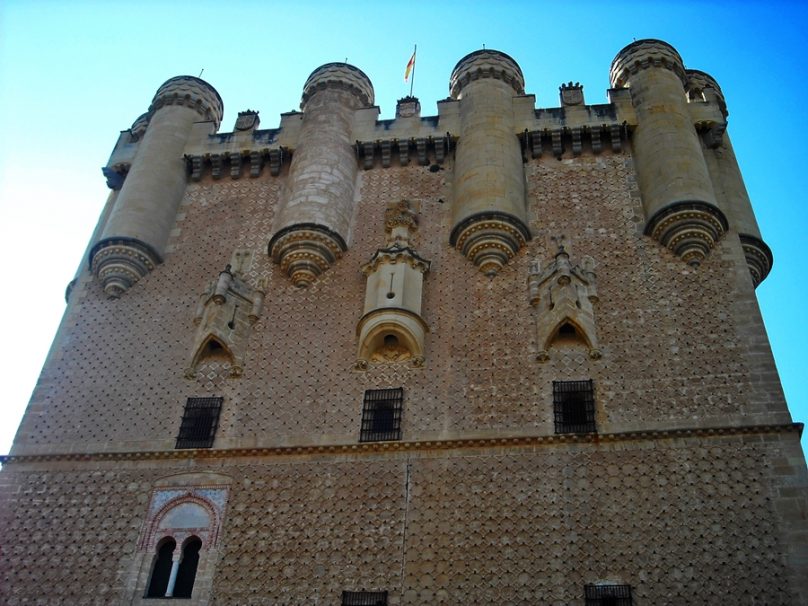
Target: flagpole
x=415 y=60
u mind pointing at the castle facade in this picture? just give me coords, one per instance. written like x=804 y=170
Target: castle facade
x=499 y=355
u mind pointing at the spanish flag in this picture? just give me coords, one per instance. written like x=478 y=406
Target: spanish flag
x=410 y=66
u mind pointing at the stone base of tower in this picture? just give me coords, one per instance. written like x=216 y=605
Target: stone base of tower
x=489 y=240
x=689 y=230
x=120 y=262
x=758 y=257
x=305 y=251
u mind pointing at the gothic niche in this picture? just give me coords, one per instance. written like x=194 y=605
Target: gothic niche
x=392 y=329
x=564 y=296
x=225 y=313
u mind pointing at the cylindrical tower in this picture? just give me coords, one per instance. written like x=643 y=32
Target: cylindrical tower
x=728 y=183
x=137 y=231
x=680 y=206
x=315 y=216
x=489 y=211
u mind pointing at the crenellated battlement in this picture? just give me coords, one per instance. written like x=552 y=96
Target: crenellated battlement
x=192 y=92
x=641 y=55
x=657 y=110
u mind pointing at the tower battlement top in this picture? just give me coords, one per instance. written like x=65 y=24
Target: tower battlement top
x=698 y=81
x=486 y=64
x=191 y=92
x=642 y=54
x=339 y=75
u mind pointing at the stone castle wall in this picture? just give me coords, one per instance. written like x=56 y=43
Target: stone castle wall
x=684 y=520
x=480 y=377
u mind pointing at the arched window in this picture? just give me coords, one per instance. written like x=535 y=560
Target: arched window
x=161 y=572
x=187 y=570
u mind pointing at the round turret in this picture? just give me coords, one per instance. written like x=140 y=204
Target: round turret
x=489 y=211
x=340 y=76
x=136 y=234
x=139 y=126
x=642 y=54
x=191 y=92
x=486 y=64
x=699 y=81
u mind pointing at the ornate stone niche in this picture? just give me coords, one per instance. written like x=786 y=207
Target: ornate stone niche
x=225 y=313
x=564 y=295
x=392 y=329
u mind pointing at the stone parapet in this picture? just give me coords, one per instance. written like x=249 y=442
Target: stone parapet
x=341 y=76
x=698 y=82
x=486 y=64
x=641 y=55
x=192 y=92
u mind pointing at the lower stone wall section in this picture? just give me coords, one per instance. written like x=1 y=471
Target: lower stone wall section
x=699 y=520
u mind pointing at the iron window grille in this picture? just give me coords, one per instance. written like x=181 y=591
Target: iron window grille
x=607 y=595
x=199 y=421
x=381 y=415
x=364 y=598
x=574 y=406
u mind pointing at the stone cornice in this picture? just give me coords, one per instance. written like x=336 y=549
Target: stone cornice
x=411 y=446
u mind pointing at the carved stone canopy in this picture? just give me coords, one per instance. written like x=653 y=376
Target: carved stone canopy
x=564 y=293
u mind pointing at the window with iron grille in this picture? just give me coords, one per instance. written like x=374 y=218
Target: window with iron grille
x=381 y=415
x=574 y=406
x=364 y=598
x=607 y=595
x=199 y=422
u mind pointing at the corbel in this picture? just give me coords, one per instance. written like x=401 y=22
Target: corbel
x=594 y=133
x=235 y=165
x=256 y=164
x=420 y=147
x=558 y=147
x=275 y=159
x=576 y=141
x=386 y=148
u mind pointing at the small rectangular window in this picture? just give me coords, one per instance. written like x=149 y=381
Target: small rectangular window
x=364 y=598
x=381 y=415
x=199 y=422
x=607 y=595
x=574 y=406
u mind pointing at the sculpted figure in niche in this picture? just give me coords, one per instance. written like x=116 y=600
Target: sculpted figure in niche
x=391 y=351
x=564 y=296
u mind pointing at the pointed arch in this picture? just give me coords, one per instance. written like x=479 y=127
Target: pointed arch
x=567 y=330
x=213 y=347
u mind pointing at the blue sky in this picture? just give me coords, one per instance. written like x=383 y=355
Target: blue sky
x=74 y=74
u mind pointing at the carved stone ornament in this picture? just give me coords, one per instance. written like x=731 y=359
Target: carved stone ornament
x=247 y=120
x=305 y=251
x=572 y=94
x=224 y=314
x=563 y=295
x=689 y=230
x=391 y=329
x=120 y=262
x=489 y=240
